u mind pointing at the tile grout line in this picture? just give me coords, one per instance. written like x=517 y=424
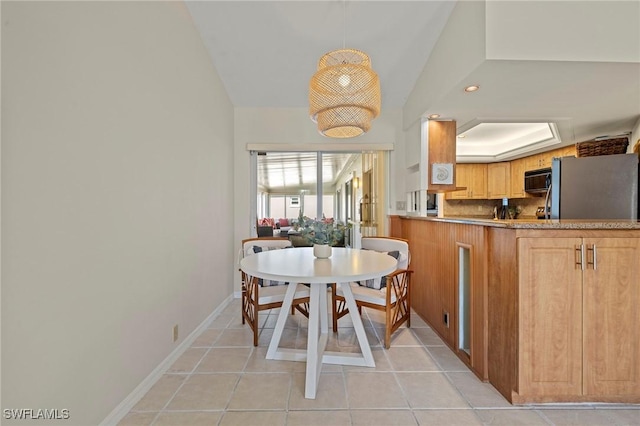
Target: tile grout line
x=163 y=409
x=439 y=361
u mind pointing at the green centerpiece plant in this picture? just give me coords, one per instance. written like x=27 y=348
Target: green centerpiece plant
x=325 y=232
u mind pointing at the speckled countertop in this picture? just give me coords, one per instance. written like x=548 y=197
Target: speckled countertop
x=533 y=223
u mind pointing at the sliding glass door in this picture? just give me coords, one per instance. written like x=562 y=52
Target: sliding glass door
x=344 y=186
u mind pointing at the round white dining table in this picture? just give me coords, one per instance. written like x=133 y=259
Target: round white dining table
x=298 y=265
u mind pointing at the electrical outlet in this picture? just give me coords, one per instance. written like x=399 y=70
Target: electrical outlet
x=401 y=205
x=175 y=332
x=445 y=319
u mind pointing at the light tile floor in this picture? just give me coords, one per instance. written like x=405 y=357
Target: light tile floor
x=223 y=380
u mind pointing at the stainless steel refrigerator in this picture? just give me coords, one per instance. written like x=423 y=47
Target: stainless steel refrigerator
x=600 y=187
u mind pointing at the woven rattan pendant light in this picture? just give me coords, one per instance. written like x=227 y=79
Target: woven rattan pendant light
x=344 y=93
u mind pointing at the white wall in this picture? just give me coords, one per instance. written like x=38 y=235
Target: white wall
x=397 y=171
x=460 y=49
x=563 y=30
x=293 y=126
x=116 y=185
x=479 y=31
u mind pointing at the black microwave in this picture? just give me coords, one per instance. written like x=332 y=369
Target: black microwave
x=537 y=181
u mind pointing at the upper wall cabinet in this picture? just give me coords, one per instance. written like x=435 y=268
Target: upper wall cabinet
x=567 y=151
x=538 y=161
x=471 y=178
x=517 y=179
x=543 y=160
x=533 y=162
x=498 y=180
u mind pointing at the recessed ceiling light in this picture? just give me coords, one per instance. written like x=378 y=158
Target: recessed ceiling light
x=472 y=88
x=461 y=136
x=434 y=116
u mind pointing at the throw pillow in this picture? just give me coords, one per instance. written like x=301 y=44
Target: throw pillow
x=379 y=283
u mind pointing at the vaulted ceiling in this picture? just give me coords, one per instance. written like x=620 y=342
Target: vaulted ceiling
x=266 y=51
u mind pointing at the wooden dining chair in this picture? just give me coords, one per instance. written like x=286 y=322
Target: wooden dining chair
x=390 y=294
x=260 y=294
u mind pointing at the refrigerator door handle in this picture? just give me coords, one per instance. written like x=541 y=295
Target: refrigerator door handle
x=547 y=208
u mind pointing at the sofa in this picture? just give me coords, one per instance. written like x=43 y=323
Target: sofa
x=265 y=231
x=269 y=227
x=285 y=225
x=265 y=227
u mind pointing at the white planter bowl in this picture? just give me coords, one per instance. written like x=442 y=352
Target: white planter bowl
x=322 y=251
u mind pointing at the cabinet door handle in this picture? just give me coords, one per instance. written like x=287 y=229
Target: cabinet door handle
x=580 y=256
x=593 y=261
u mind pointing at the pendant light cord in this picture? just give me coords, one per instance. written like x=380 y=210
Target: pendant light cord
x=344 y=23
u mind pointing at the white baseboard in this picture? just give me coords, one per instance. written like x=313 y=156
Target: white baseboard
x=132 y=399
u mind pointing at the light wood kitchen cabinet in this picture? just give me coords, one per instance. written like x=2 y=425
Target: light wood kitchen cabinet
x=501 y=180
x=543 y=160
x=546 y=312
x=463 y=176
x=567 y=151
x=538 y=161
x=532 y=162
x=550 y=317
x=611 y=317
x=516 y=181
x=473 y=178
x=579 y=307
x=498 y=180
x=553 y=308
x=478 y=183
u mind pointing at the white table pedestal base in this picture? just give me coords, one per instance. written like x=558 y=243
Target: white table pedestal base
x=315 y=355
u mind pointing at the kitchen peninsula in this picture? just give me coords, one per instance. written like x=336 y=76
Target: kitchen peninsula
x=545 y=310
